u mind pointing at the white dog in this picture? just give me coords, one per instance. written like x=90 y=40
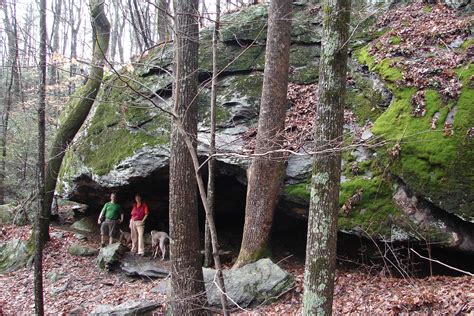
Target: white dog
x=158 y=242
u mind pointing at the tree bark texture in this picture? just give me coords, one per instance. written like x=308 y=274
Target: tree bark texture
x=80 y=102
x=40 y=214
x=324 y=203
x=188 y=293
x=56 y=8
x=75 y=23
x=212 y=145
x=163 y=21
x=267 y=172
x=11 y=31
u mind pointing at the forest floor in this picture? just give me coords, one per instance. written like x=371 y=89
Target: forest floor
x=84 y=284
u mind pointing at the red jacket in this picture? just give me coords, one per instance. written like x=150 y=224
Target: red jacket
x=139 y=212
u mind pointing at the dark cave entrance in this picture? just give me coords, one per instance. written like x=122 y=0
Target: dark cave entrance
x=288 y=238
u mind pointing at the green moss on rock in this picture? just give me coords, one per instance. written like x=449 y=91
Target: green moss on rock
x=376 y=211
x=383 y=68
x=433 y=164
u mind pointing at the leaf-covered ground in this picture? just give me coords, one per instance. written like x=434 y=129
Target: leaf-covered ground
x=88 y=286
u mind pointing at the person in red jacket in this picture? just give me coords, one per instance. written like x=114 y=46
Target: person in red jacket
x=137 y=224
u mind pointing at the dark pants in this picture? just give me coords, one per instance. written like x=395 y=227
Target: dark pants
x=108 y=227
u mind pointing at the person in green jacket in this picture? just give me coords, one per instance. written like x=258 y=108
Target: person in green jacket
x=109 y=217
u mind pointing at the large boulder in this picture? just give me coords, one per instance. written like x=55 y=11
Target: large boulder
x=124 y=145
x=126 y=138
x=87 y=224
x=251 y=284
x=15 y=254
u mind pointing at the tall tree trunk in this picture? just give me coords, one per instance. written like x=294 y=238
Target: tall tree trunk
x=54 y=45
x=267 y=172
x=188 y=294
x=114 y=34
x=140 y=25
x=80 y=103
x=163 y=23
x=40 y=219
x=12 y=90
x=133 y=17
x=323 y=210
x=212 y=147
x=75 y=23
x=5 y=121
x=10 y=29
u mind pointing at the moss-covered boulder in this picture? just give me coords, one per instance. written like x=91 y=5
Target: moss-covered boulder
x=15 y=254
x=109 y=256
x=413 y=132
x=87 y=224
x=124 y=145
x=126 y=137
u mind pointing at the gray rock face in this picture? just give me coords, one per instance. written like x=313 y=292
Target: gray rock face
x=120 y=146
x=129 y=308
x=82 y=251
x=14 y=254
x=250 y=284
x=459 y=4
x=125 y=148
x=109 y=256
x=451 y=230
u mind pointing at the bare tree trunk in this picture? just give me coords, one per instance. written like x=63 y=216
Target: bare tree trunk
x=54 y=45
x=267 y=172
x=140 y=25
x=80 y=103
x=323 y=210
x=13 y=89
x=5 y=120
x=75 y=23
x=40 y=218
x=137 y=30
x=114 y=31
x=163 y=23
x=188 y=294
x=10 y=29
x=121 y=27
x=212 y=147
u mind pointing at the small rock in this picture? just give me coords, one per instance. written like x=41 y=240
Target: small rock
x=82 y=251
x=77 y=311
x=366 y=134
x=137 y=266
x=54 y=276
x=57 y=235
x=86 y=287
x=109 y=256
x=161 y=288
x=80 y=236
x=60 y=289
